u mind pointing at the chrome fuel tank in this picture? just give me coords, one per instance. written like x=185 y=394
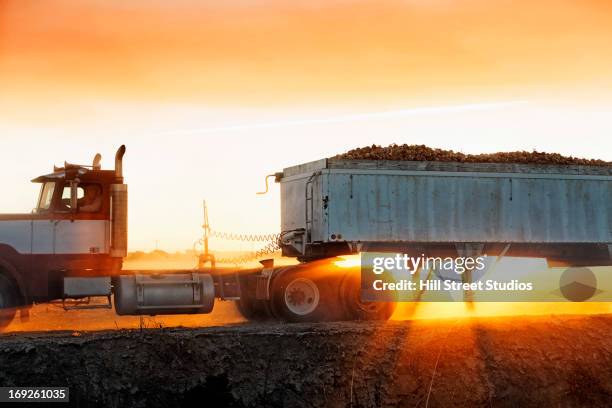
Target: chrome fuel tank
x=154 y=294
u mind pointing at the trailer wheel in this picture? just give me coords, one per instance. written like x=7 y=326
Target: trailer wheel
x=299 y=297
x=355 y=308
x=7 y=302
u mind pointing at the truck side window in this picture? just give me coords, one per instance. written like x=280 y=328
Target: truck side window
x=65 y=203
x=92 y=198
x=46 y=196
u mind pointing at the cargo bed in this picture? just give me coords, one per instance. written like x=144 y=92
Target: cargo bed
x=334 y=206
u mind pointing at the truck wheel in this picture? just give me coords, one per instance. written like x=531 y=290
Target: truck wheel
x=7 y=302
x=299 y=297
x=253 y=309
x=355 y=308
x=248 y=305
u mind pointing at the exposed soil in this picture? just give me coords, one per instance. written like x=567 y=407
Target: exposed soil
x=512 y=361
x=425 y=153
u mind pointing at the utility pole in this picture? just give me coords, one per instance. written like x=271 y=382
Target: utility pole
x=205 y=256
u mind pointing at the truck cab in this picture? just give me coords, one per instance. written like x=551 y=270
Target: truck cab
x=77 y=229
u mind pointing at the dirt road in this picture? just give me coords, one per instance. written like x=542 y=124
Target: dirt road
x=516 y=361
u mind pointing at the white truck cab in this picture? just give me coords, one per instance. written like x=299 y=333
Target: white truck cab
x=78 y=229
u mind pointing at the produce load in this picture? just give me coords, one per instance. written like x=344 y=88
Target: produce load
x=425 y=153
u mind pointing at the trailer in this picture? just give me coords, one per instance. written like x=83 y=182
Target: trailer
x=70 y=249
x=331 y=207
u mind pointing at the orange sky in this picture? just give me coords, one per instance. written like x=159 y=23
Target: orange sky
x=210 y=96
x=266 y=52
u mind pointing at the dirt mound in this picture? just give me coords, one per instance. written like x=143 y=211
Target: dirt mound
x=535 y=361
x=425 y=153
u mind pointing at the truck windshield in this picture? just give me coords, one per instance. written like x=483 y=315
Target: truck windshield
x=46 y=196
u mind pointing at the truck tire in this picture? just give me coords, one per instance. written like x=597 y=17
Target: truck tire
x=253 y=309
x=248 y=305
x=355 y=308
x=8 y=301
x=298 y=295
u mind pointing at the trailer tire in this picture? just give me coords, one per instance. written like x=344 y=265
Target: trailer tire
x=8 y=301
x=355 y=308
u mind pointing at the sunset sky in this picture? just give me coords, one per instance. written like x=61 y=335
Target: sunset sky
x=210 y=97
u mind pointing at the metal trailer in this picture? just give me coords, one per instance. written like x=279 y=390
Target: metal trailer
x=561 y=213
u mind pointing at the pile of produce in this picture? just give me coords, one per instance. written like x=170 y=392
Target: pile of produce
x=425 y=153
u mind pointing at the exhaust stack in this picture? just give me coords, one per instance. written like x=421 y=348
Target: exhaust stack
x=119 y=210
x=119 y=161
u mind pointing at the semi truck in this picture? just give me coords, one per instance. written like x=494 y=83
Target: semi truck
x=71 y=247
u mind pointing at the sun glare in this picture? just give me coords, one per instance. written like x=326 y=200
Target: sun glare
x=348 y=261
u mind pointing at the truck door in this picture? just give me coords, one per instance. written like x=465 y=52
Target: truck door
x=83 y=230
